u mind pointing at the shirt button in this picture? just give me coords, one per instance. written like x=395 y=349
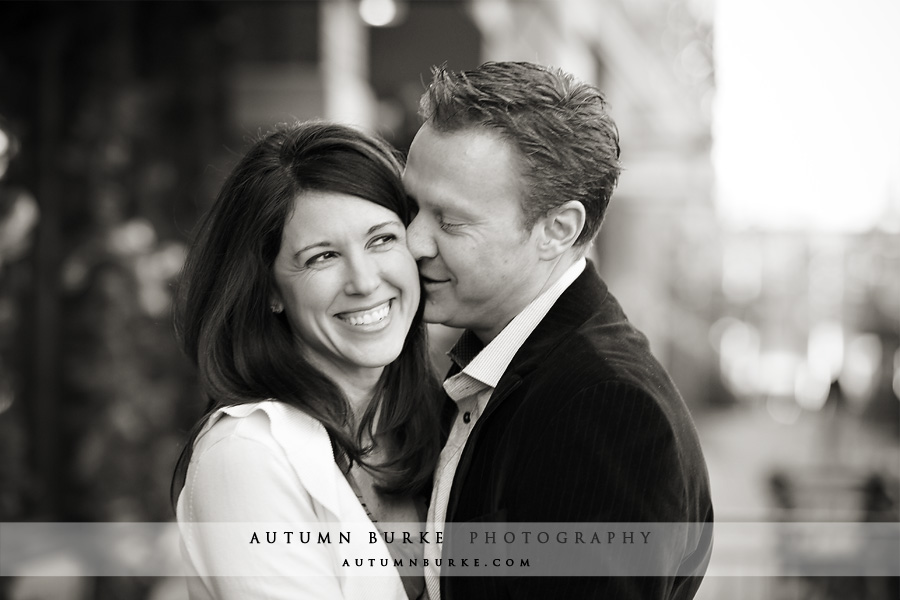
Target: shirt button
x=467 y=417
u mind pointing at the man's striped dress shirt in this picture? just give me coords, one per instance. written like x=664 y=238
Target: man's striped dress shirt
x=471 y=389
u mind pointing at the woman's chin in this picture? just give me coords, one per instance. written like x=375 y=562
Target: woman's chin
x=377 y=358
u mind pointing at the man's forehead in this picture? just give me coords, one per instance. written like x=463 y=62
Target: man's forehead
x=473 y=141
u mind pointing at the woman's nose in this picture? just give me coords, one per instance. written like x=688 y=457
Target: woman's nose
x=363 y=276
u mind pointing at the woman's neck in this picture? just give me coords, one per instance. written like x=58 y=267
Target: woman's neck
x=357 y=383
x=359 y=391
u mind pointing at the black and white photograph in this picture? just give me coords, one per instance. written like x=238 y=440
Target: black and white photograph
x=449 y=299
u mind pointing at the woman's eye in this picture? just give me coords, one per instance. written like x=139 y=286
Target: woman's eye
x=321 y=259
x=382 y=240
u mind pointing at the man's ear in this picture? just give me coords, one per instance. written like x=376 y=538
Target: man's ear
x=559 y=229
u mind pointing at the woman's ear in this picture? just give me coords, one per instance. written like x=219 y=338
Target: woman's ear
x=276 y=305
x=560 y=229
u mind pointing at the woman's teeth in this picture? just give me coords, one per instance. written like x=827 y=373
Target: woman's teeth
x=367 y=317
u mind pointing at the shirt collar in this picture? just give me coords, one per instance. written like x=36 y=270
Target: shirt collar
x=465 y=349
x=487 y=364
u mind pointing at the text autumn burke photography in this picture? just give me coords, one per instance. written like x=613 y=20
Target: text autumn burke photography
x=474 y=537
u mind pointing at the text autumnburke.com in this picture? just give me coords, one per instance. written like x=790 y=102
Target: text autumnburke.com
x=462 y=563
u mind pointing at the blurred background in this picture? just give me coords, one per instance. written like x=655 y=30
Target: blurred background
x=754 y=236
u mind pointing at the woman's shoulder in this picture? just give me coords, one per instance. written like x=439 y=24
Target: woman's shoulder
x=268 y=422
x=263 y=449
x=245 y=467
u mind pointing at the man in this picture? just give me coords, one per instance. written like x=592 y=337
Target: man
x=559 y=411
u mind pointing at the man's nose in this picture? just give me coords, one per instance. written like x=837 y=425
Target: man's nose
x=419 y=239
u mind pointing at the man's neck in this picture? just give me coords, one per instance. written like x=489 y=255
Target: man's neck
x=562 y=265
x=553 y=274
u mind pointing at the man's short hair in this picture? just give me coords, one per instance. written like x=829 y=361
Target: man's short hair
x=566 y=139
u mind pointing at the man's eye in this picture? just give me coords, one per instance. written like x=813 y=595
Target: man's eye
x=321 y=259
x=447 y=226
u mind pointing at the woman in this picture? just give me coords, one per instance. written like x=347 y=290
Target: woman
x=299 y=303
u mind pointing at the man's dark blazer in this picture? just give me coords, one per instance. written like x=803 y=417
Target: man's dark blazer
x=584 y=426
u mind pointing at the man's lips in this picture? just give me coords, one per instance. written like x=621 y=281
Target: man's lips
x=431 y=280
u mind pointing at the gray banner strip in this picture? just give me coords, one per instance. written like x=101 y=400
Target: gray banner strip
x=473 y=549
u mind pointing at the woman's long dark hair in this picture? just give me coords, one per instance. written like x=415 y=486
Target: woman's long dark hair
x=246 y=353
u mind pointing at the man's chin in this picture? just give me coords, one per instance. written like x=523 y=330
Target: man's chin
x=436 y=313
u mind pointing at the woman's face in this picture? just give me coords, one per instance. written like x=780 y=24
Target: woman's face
x=348 y=284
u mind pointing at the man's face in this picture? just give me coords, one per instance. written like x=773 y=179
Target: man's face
x=476 y=260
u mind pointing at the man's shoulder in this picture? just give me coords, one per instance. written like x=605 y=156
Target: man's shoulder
x=606 y=347
x=603 y=367
x=586 y=340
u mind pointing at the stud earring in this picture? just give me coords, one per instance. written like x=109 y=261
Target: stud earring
x=276 y=309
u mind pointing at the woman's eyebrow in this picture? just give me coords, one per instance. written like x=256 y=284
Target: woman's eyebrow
x=311 y=246
x=375 y=228
x=371 y=230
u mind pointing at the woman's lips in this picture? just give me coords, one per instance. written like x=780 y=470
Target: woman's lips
x=367 y=316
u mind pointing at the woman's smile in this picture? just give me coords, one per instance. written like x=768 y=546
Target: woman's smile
x=371 y=319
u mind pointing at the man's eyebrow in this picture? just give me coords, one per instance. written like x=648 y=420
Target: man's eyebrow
x=448 y=207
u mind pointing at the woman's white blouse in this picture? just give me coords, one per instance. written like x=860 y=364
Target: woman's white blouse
x=268 y=462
